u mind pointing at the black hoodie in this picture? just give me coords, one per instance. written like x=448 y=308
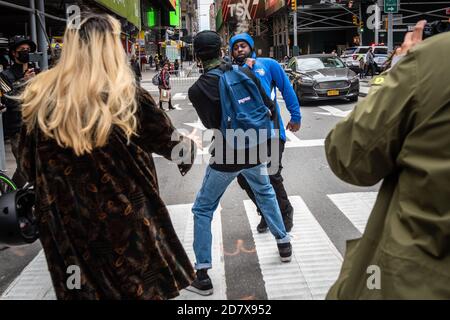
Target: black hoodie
x=205 y=97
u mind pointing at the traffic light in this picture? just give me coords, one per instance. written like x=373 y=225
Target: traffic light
x=294 y=5
x=361 y=26
x=355 y=20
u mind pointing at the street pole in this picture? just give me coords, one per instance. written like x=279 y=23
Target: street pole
x=390 y=32
x=287 y=34
x=377 y=23
x=42 y=35
x=360 y=32
x=295 y=49
x=33 y=21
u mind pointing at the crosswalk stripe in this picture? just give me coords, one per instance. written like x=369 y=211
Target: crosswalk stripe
x=315 y=263
x=33 y=283
x=295 y=142
x=356 y=206
x=183 y=223
x=314 y=267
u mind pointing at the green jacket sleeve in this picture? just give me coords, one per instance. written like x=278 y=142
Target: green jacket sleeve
x=363 y=148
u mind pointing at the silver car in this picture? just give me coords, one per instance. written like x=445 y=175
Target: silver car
x=322 y=77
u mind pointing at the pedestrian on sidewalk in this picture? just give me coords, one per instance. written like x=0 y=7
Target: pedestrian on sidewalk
x=156 y=63
x=164 y=87
x=399 y=134
x=362 y=68
x=89 y=156
x=370 y=63
x=206 y=99
x=176 y=66
x=150 y=61
x=272 y=76
x=12 y=83
x=136 y=69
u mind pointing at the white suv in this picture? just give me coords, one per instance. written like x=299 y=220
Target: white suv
x=380 y=54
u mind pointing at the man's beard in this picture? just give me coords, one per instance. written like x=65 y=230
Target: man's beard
x=240 y=60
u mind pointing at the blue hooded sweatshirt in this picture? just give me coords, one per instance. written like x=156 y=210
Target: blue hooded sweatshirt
x=272 y=76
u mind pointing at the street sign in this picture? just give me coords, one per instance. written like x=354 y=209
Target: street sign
x=391 y=6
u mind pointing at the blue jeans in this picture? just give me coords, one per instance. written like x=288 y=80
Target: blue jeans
x=214 y=185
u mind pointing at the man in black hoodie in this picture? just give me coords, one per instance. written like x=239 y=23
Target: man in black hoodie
x=205 y=98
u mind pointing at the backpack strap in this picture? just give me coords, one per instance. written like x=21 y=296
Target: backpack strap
x=216 y=72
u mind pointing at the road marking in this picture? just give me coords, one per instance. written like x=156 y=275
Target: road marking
x=150 y=88
x=177 y=107
x=332 y=111
x=34 y=282
x=356 y=206
x=179 y=96
x=203 y=155
x=198 y=124
x=315 y=262
x=183 y=223
x=295 y=142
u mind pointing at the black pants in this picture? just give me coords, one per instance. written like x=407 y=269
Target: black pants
x=277 y=183
x=18 y=178
x=370 y=67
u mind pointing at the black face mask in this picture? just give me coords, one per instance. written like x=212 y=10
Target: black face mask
x=23 y=56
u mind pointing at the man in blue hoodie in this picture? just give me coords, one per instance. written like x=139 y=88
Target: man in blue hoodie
x=271 y=76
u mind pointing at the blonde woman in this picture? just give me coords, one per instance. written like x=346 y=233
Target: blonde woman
x=86 y=144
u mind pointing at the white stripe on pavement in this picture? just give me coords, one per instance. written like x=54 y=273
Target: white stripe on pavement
x=315 y=262
x=332 y=111
x=34 y=283
x=295 y=142
x=183 y=222
x=179 y=96
x=356 y=206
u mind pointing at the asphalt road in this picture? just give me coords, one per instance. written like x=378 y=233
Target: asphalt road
x=306 y=174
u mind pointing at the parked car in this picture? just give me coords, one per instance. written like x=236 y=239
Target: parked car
x=380 y=57
x=321 y=77
x=347 y=55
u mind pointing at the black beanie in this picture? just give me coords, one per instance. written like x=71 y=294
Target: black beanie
x=207 y=45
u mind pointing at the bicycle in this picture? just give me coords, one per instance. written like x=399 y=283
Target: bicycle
x=6 y=184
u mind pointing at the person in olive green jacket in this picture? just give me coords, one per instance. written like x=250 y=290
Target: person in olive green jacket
x=400 y=134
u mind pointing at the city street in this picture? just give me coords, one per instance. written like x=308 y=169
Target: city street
x=246 y=265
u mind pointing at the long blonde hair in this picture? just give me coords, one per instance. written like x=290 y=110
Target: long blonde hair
x=90 y=90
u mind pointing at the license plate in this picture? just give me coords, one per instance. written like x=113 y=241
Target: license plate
x=333 y=93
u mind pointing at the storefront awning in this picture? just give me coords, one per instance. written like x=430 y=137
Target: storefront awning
x=128 y=9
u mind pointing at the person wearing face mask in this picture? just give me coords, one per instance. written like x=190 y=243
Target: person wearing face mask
x=12 y=83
